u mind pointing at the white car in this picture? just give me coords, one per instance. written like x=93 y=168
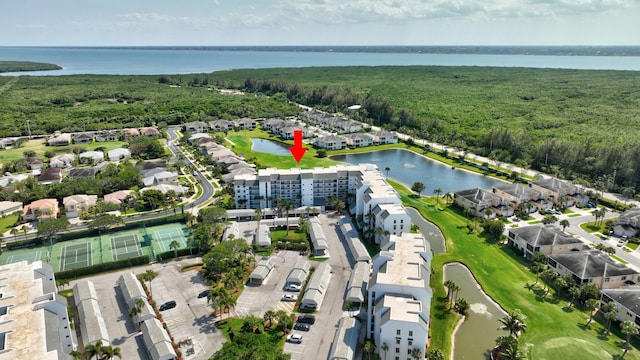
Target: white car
x=289 y=297
x=293 y=287
x=294 y=338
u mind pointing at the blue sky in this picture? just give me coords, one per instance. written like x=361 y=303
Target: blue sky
x=319 y=22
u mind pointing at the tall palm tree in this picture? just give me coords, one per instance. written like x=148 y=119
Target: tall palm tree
x=512 y=352
x=416 y=354
x=174 y=245
x=628 y=328
x=565 y=224
x=109 y=352
x=384 y=347
x=610 y=313
x=386 y=170
x=437 y=192
x=14 y=232
x=135 y=311
x=148 y=276
x=591 y=304
x=513 y=324
x=269 y=316
x=449 y=284
x=94 y=350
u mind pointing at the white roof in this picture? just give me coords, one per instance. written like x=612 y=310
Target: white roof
x=157 y=340
x=92 y=326
x=166 y=187
x=92 y=154
x=119 y=152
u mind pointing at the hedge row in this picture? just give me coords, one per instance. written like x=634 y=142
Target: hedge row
x=171 y=254
x=99 y=268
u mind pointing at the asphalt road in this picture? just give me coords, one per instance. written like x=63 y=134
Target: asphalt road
x=207 y=193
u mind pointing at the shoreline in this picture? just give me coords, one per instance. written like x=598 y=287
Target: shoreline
x=478 y=287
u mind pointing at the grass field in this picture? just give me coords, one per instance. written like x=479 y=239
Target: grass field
x=40 y=147
x=7 y=222
x=547 y=317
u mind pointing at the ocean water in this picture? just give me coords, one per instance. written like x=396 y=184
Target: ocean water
x=132 y=61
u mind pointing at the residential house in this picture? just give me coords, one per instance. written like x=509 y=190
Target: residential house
x=107 y=135
x=82 y=173
x=164 y=188
x=546 y=239
x=221 y=125
x=34 y=163
x=119 y=196
x=59 y=139
x=560 y=192
x=9 y=179
x=149 y=131
x=91 y=157
x=287 y=132
x=159 y=176
x=262 y=236
x=75 y=204
x=129 y=132
x=9 y=207
x=358 y=140
x=385 y=137
x=593 y=267
x=195 y=138
x=82 y=138
x=50 y=176
x=346 y=126
x=118 y=154
x=627 y=300
x=331 y=142
x=7 y=143
x=204 y=147
x=516 y=194
x=146 y=165
x=316 y=287
x=245 y=123
x=196 y=127
x=40 y=210
x=482 y=203
x=273 y=123
x=628 y=223
x=63 y=160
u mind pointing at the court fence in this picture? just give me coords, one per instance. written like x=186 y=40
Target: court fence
x=104 y=267
x=72 y=235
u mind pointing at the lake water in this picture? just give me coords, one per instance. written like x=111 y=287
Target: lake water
x=430 y=232
x=268 y=146
x=476 y=336
x=131 y=61
x=408 y=167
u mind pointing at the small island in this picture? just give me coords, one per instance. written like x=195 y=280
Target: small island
x=14 y=66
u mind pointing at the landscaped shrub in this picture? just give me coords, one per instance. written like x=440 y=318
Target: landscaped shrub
x=99 y=268
x=181 y=252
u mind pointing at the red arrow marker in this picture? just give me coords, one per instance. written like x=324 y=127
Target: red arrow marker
x=297 y=150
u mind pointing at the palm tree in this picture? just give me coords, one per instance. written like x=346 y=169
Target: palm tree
x=565 y=224
x=174 y=245
x=512 y=352
x=135 y=311
x=462 y=306
x=514 y=324
x=610 y=313
x=537 y=268
x=287 y=205
x=24 y=229
x=14 y=232
x=109 y=352
x=575 y=292
x=548 y=276
x=437 y=192
x=386 y=170
x=385 y=347
x=628 y=328
x=148 y=276
x=94 y=350
x=416 y=354
x=269 y=316
x=448 y=197
x=368 y=348
x=251 y=323
x=591 y=304
x=450 y=285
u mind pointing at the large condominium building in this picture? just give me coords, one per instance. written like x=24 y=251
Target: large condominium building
x=400 y=296
x=304 y=187
x=34 y=323
x=362 y=186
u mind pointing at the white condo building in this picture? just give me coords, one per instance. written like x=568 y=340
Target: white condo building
x=362 y=186
x=400 y=296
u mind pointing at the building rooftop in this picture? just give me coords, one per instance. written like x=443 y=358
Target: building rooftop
x=542 y=235
x=591 y=264
x=628 y=296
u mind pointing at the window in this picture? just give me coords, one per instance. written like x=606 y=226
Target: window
x=409 y=351
x=607 y=279
x=410 y=333
x=397 y=341
x=398 y=332
x=410 y=342
x=623 y=278
x=397 y=350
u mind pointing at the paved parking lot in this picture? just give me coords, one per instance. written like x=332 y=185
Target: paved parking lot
x=189 y=319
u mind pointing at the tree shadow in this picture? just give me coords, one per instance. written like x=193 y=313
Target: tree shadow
x=567 y=309
x=603 y=334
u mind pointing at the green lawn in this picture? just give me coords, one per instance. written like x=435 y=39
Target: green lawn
x=242 y=141
x=502 y=275
x=292 y=236
x=40 y=147
x=7 y=222
x=632 y=246
x=592 y=227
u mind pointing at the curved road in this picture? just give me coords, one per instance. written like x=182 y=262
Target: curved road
x=207 y=193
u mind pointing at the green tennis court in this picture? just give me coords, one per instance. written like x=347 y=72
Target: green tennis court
x=165 y=237
x=75 y=256
x=30 y=256
x=125 y=247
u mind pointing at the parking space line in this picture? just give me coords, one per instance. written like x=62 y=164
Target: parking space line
x=174 y=321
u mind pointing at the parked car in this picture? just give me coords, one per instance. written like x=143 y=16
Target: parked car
x=620 y=243
x=203 y=293
x=307 y=319
x=301 y=326
x=292 y=287
x=289 y=297
x=294 y=338
x=168 y=305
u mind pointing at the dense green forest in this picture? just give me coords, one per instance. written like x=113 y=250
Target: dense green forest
x=13 y=66
x=574 y=123
x=578 y=124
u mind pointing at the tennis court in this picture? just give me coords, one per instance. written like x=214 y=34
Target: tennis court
x=125 y=247
x=28 y=256
x=165 y=237
x=75 y=256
